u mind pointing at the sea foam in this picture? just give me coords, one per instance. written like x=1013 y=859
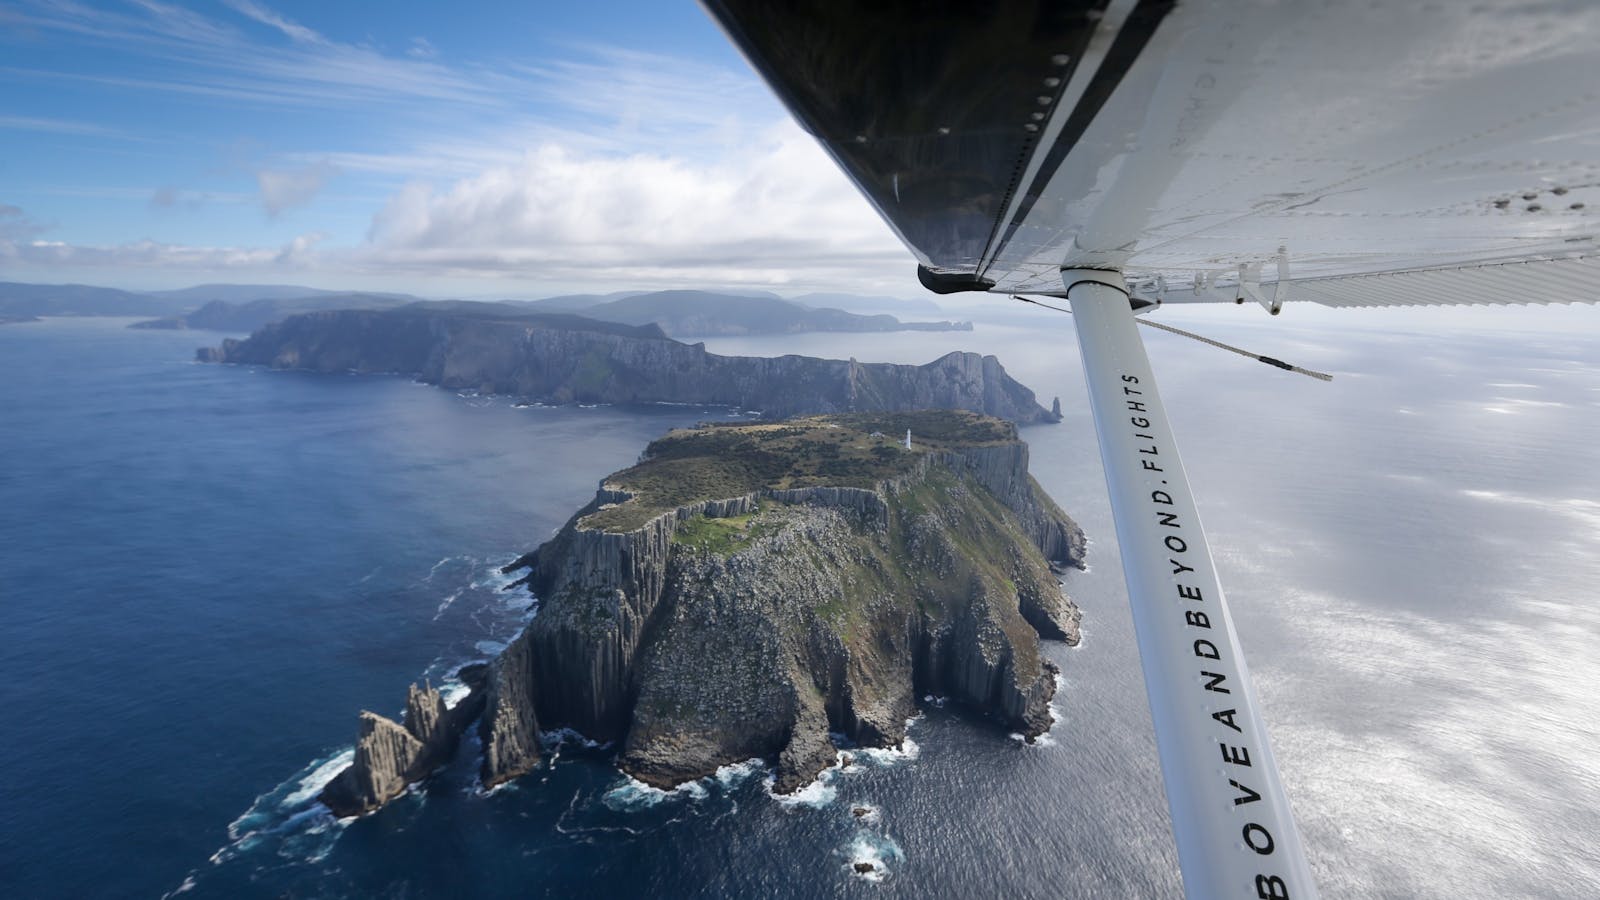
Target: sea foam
x=877 y=850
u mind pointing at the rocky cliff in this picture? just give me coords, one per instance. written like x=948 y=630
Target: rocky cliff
x=752 y=590
x=563 y=358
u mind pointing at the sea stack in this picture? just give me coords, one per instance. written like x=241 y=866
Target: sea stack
x=390 y=756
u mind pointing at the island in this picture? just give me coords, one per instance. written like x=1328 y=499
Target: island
x=766 y=590
x=565 y=358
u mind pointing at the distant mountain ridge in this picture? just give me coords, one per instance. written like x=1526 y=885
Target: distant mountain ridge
x=21 y=300
x=18 y=300
x=248 y=293
x=681 y=313
x=708 y=313
x=222 y=315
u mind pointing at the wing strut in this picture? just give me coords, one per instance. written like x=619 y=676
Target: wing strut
x=1231 y=820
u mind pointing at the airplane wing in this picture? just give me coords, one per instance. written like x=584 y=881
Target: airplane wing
x=1123 y=154
x=1185 y=141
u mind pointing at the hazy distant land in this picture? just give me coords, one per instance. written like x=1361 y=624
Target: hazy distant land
x=680 y=313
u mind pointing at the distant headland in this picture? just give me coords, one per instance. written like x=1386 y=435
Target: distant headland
x=746 y=591
x=565 y=358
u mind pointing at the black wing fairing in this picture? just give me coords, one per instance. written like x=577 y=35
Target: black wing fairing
x=933 y=109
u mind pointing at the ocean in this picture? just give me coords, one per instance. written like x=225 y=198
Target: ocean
x=207 y=571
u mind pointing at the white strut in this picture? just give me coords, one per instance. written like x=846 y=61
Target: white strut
x=1231 y=820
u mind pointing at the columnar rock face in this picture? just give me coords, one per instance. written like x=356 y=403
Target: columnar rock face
x=754 y=590
x=707 y=633
x=390 y=756
x=563 y=358
x=510 y=729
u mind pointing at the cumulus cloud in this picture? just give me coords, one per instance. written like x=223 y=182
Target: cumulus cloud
x=285 y=189
x=768 y=213
x=300 y=252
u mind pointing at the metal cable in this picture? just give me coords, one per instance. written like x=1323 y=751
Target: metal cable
x=1271 y=361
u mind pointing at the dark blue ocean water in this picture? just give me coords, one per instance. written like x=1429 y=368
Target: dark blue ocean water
x=206 y=571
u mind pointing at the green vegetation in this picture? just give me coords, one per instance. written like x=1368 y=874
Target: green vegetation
x=714 y=462
x=594 y=370
x=719 y=536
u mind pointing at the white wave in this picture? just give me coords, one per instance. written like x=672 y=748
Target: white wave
x=441 y=563
x=313 y=783
x=815 y=795
x=730 y=775
x=478 y=790
x=568 y=736
x=935 y=700
x=489 y=647
x=888 y=756
x=495 y=580
x=187 y=886
x=632 y=794
x=445 y=604
x=453 y=692
x=290 y=816
x=874 y=850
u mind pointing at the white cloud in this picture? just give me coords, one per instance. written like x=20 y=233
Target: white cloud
x=57 y=126
x=300 y=252
x=774 y=212
x=293 y=30
x=227 y=63
x=603 y=164
x=284 y=189
x=148 y=254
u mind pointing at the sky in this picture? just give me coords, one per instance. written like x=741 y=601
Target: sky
x=473 y=149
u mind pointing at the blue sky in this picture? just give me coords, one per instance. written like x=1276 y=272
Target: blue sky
x=469 y=149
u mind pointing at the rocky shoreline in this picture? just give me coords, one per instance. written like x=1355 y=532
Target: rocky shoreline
x=750 y=591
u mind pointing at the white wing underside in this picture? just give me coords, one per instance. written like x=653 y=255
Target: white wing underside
x=1573 y=280
x=1317 y=142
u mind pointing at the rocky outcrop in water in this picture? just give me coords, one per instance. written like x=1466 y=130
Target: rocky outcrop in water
x=390 y=756
x=564 y=358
